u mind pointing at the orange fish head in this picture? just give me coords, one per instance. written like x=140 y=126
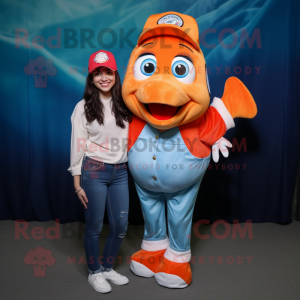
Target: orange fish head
x=165 y=82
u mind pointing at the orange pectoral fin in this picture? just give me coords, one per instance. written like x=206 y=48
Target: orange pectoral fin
x=238 y=100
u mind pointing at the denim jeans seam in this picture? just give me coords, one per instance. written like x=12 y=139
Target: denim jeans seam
x=89 y=231
x=87 y=207
x=113 y=225
x=89 y=236
x=112 y=176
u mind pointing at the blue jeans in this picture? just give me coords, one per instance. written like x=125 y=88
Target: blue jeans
x=105 y=186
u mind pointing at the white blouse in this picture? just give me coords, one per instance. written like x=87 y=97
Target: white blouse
x=106 y=143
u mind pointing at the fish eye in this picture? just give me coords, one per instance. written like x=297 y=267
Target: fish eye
x=180 y=69
x=144 y=66
x=183 y=69
x=148 y=66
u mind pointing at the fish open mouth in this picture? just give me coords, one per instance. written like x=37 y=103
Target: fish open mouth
x=162 y=111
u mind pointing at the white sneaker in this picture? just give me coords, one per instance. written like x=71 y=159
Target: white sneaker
x=115 y=277
x=99 y=283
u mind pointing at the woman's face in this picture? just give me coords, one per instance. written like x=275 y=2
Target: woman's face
x=104 y=78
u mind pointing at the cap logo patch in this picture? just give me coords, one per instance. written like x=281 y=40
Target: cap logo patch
x=171 y=19
x=101 y=58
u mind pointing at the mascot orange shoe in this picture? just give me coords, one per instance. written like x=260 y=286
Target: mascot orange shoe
x=170 y=138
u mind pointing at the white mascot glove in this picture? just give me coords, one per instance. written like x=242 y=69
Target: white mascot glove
x=221 y=145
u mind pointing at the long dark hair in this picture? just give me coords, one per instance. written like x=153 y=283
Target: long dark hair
x=94 y=107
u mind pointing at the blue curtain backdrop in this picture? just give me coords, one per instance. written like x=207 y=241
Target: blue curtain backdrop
x=45 y=46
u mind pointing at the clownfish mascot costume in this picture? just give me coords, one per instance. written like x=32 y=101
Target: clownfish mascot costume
x=170 y=138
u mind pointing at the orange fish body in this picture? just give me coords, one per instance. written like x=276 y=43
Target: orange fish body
x=166 y=88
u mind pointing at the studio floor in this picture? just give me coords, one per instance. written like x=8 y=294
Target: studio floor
x=262 y=264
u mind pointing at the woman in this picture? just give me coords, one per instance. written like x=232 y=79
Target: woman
x=99 y=166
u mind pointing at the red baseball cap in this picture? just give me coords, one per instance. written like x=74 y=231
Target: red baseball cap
x=102 y=58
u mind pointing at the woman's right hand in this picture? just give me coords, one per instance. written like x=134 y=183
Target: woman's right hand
x=82 y=197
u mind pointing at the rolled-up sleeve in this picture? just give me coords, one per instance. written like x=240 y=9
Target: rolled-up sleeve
x=79 y=138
